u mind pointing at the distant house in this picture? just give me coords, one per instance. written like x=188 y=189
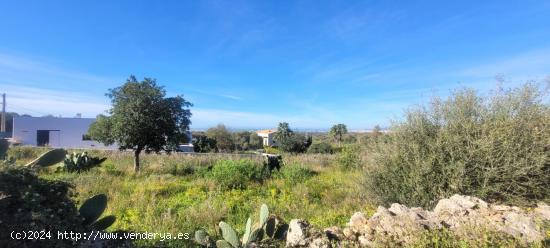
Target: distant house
x=268 y=137
x=55 y=132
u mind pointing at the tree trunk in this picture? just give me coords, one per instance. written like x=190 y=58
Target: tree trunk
x=136 y=159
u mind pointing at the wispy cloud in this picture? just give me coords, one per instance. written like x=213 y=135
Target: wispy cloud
x=22 y=70
x=38 y=102
x=533 y=64
x=215 y=94
x=204 y=117
x=231 y=97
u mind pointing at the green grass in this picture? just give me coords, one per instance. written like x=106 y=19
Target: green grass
x=178 y=193
x=495 y=149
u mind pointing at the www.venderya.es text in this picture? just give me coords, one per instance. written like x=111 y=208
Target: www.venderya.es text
x=97 y=235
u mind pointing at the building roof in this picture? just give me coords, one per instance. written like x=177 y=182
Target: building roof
x=266 y=131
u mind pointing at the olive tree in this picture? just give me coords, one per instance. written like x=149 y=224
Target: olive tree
x=338 y=131
x=143 y=119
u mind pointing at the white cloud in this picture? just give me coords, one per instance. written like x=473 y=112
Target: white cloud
x=39 y=72
x=215 y=94
x=528 y=65
x=37 y=102
x=204 y=117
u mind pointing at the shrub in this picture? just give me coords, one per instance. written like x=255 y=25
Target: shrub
x=235 y=174
x=320 y=148
x=296 y=143
x=349 y=158
x=222 y=136
x=271 y=150
x=289 y=141
x=495 y=148
x=204 y=144
x=295 y=173
x=79 y=162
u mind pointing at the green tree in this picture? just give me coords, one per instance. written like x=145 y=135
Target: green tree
x=247 y=141
x=283 y=132
x=255 y=141
x=142 y=118
x=338 y=131
x=241 y=140
x=224 y=141
x=289 y=141
x=201 y=143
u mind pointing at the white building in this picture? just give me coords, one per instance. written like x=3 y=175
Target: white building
x=268 y=137
x=55 y=132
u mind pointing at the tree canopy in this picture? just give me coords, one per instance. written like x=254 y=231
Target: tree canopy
x=289 y=141
x=142 y=118
x=338 y=131
x=224 y=142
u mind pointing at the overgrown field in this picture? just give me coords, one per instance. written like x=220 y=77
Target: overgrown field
x=178 y=193
x=495 y=147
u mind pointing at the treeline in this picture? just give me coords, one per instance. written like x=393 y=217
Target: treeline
x=221 y=139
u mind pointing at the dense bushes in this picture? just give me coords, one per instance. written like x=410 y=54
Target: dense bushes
x=296 y=143
x=202 y=143
x=349 y=157
x=290 y=141
x=320 y=148
x=232 y=174
x=496 y=148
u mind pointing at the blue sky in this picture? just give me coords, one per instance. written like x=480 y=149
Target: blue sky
x=252 y=64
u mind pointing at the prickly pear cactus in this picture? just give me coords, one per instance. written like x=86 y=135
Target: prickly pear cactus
x=78 y=162
x=92 y=209
x=229 y=234
x=269 y=229
x=49 y=158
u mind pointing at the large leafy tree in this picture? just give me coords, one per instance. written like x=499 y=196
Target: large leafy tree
x=143 y=119
x=284 y=133
x=224 y=141
x=338 y=131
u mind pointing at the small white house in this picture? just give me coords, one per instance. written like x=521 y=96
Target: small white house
x=268 y=137
x=55 y=132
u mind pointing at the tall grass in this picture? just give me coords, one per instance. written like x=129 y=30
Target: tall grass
x=495 y=147
x=179 y=193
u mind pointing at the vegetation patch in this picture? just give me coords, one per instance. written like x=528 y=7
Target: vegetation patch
x=231 y=174
x=295 y=173
x=494 y=147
